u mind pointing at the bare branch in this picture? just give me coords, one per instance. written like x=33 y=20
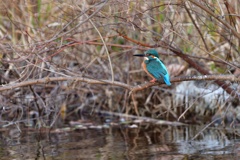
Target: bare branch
x=116 y=83
x=231 y=78
x=54 y=79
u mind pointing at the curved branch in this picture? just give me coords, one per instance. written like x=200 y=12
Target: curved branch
x=105 y=46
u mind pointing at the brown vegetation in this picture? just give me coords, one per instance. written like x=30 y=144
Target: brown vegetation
x=66 y=57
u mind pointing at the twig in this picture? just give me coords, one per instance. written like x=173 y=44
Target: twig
x=204 y=128
x=222 y=13
x=135 y=105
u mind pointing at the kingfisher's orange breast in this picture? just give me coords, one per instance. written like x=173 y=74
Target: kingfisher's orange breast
x=144 y=66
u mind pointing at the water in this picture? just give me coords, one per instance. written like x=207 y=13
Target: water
x=135 y=141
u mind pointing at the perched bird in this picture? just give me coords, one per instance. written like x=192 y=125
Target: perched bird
x=154 y=67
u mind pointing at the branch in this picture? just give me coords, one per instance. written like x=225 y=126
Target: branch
x=46 y=80
x=54 y=79
x=132 y=40
x=196 y=26
x=231 y=78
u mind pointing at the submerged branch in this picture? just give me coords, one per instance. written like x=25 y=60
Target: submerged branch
x=144 y=119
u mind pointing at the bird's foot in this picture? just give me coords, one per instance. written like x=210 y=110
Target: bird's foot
x=153 y=80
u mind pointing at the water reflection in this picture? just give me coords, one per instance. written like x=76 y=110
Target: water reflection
x=120 y=142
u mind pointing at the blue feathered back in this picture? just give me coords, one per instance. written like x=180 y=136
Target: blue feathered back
x=156 y=68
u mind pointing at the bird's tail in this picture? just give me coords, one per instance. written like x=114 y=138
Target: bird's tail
x=167 y=80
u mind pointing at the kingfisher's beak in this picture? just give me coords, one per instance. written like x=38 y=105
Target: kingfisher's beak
x=139 y=55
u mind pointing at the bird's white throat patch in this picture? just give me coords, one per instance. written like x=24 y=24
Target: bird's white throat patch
x=146 y=58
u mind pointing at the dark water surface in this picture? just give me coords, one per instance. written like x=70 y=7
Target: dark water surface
x=136 y=141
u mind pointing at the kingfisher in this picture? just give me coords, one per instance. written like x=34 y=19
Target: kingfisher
x=154 y=67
